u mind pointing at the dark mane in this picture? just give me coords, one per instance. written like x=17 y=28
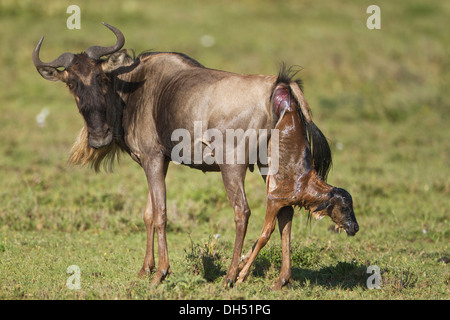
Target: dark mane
x=185 y=57
x=320 y=149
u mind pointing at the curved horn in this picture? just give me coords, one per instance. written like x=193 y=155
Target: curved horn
x=95 y=52
x=63 y=60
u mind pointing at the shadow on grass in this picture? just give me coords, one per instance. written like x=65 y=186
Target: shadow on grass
x=203 y=259
x=206 y=260
x=344 y=275
x=212 y=268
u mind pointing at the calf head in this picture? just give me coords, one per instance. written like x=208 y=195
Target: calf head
x=339 y=207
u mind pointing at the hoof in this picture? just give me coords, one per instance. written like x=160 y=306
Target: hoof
x=228 y=283
x=281 y=283
x=160 y=275
x=145 y=272
x=242 y=275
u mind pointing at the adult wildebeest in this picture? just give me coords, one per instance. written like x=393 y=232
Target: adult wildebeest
x=136 y=104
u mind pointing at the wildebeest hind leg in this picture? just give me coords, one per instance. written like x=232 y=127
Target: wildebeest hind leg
x=244 y=260
x=233 y=178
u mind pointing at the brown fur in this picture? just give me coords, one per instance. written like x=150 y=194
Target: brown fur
x=296 y=183
x=134 y=105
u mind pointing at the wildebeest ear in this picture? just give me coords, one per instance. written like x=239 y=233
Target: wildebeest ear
x=52 y=74
x=115 y=60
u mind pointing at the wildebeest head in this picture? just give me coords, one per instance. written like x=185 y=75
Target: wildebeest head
x=86 y=76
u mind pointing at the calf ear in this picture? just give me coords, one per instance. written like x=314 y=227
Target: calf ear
x=323 y=206
x=52 y=74
x=116 y=60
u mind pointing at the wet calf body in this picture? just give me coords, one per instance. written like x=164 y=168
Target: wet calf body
x=296 y=183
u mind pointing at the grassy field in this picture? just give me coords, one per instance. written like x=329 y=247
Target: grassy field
x=380 y=96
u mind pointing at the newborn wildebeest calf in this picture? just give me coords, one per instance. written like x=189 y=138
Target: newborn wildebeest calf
x=151 y=105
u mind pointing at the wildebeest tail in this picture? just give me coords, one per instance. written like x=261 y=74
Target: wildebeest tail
x=320 y=149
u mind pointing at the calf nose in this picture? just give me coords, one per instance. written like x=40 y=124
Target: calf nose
x=354 y=228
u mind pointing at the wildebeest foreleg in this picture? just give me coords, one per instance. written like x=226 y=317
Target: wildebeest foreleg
x=156 y=170
x=284 y=224
x=233 y=178
x=149 y=260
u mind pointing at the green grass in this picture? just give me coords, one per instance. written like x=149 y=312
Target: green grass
x=380 y=96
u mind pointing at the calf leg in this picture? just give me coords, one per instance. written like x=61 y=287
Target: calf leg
x=149 y=260
x=233 y=178
x=284 y=224
x=269 y=226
